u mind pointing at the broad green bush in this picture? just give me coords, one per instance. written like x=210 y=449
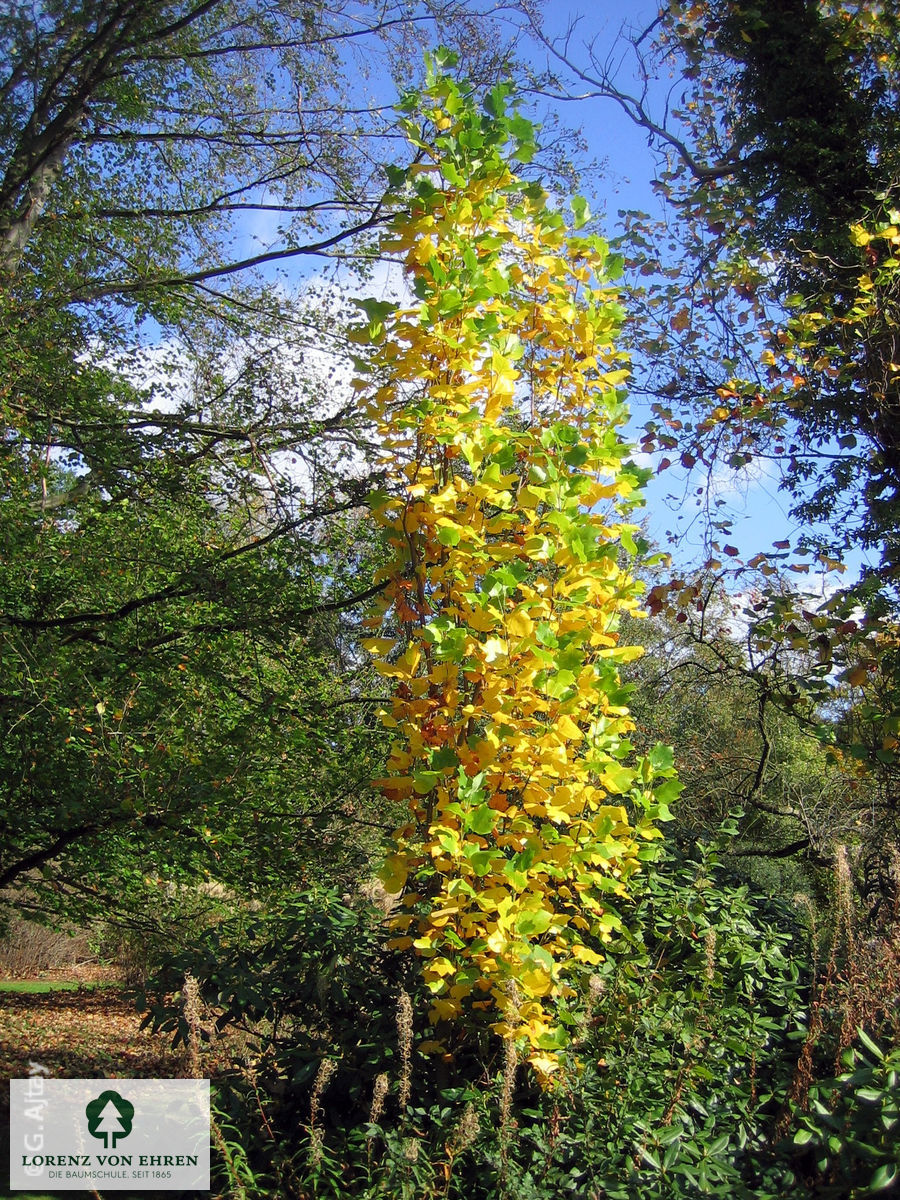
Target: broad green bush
x=848 y=1140
x=683 y=1048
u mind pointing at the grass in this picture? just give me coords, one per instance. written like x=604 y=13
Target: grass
x=39 y=987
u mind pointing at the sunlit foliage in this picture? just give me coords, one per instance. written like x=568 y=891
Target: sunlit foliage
x=499 y=404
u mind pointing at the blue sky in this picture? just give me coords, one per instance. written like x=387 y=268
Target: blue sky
x=676 y=499
x=752 y=499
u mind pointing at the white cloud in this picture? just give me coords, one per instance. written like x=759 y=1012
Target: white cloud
x=730 y=484
x=646 y=461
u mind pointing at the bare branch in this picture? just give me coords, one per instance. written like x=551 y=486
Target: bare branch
x=602 y=85
x=37 y=858
x=313 y=249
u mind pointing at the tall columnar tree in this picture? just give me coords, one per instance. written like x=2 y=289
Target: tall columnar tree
x=498 y=396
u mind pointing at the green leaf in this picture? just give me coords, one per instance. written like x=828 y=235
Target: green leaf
x=376 y=310
x=871 y=1046
x=481 y=860
x=650 y=1158
x=870 y=1095
x=662 y=758
x=541 y=958
x=443 y=757
x=617 y=779
x=557 y=684
x=580 y=210
x=425 y=781
x=533 y=923
x=481 y=820
x=396 y=176
x=668 y=792
x=884 y=1177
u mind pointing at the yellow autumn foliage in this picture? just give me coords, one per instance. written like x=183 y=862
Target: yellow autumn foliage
x=505 y=514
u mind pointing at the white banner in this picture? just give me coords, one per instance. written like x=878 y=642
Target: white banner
x=109 y=1134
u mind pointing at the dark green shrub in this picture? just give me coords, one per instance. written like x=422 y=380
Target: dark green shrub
x=849 y=1139
x=683 y=1053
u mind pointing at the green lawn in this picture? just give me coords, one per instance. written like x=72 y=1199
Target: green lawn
x=38 y=987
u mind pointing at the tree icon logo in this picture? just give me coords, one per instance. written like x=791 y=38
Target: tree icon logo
x=109 y=1117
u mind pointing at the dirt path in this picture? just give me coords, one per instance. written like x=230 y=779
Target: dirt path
x=90 y=1033
x=84 y=1034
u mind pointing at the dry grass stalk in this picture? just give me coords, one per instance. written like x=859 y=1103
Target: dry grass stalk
x=463 y=1136
x=801 y=899
x=379 y=1093
x=327 y=1068
x=190 y=1000
x=709 y=947
x=510 y=1067
x=466 y=1131
x=405 y=1037
x=411 y=1150
x=860 y=981
x=596 y=988
x=845 y=925
x=894 y=872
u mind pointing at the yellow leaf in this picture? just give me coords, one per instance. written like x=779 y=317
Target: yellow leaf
x=399 y=786
x=497 y=942
x=568 y=729
x=439 y=967
x=444 y=1009
x=493 y=649
x=393 y=874
x=531 y=497
x=585 y=954
x=377 y=645
x=519 y=624
x=404 y=668
x=544 y=1064
x=431 y=1047
x=600 y=491
x=536 y=982
x=482 y=621
x=486 y=751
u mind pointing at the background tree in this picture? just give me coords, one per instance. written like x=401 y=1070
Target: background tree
x=764 y=325
x=183 y=472
x=706 y=688
x=778 y=135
